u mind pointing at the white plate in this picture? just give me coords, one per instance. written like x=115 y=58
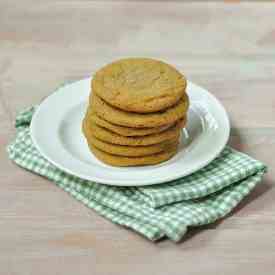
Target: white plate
x=56 y=132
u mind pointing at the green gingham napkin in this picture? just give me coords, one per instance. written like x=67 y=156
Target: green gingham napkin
x=164 y=210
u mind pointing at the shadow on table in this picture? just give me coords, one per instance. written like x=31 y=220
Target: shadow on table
x=236 y=139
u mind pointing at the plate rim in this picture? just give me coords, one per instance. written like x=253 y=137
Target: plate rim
x=120 y=182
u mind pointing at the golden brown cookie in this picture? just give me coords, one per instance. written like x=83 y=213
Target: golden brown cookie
x=132 y=161
x=140 y=85
x=123 y=130
x=131 y=151
x=136 y=120
x=90 y=128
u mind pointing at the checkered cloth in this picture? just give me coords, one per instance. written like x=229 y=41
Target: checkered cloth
x=164 y=210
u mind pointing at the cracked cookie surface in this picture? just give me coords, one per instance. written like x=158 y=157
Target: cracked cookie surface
x=139 y=85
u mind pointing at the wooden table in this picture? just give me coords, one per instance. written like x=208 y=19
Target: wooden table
x=228 y=47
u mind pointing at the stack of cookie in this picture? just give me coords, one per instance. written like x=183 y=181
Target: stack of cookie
x=137 y=109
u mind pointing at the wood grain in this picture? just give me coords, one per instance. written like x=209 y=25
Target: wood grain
x=226 y=47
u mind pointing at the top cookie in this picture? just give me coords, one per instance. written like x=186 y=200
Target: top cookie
x=139 y=85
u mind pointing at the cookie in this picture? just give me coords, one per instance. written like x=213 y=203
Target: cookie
x=131 y=151
x=140 y=85
x=132 y=161
x=123 y=130
x=90 y=128
x=136 y=120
